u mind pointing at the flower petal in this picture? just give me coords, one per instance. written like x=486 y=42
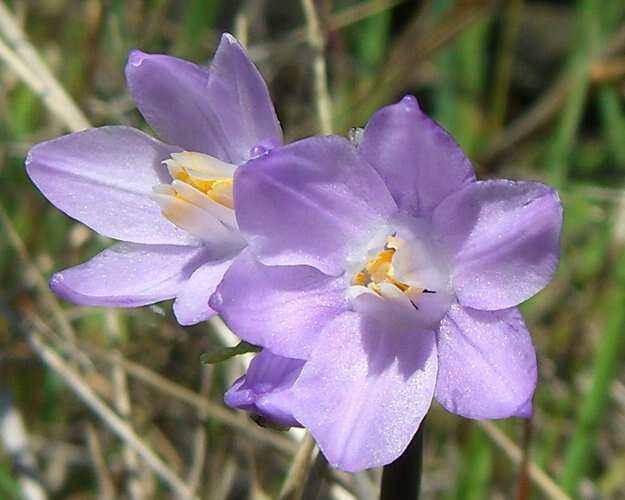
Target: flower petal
x=128 y=275
x=486 y=364
x=104 y=177
x=265 y=389
x=419 y=161
x=365 y=390
x=504 y=241
x=304 y=203
x=282 y=308
x=191 y=305
x=223 y=112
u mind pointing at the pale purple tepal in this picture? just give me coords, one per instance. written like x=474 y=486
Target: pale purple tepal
x=393 y=275
x=170 y=204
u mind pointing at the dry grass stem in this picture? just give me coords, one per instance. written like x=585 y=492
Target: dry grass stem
x=545 y=108
x=47 y=296
x=294 y=483
x=105 y=484
x=200 y=440
x=218 y=412
x=48 y=86
x=336 y=21
x=316 y=476
x=113 y=422
x=549 y=488
x=121 y=399
x=320 y=75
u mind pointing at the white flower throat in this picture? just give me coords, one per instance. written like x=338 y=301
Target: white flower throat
x=379 y=271
x=399 y=271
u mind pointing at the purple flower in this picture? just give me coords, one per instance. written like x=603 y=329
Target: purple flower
x=170 y=206
x=266 y=389
x=394 y=274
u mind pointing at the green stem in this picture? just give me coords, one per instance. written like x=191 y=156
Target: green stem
x=579 y=454
x=402 y=478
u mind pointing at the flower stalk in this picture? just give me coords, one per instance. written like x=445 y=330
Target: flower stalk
x=402 y=478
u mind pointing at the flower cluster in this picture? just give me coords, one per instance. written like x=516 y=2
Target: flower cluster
x=376 y=274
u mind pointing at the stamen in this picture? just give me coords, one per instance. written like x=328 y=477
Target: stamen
x=379 y=273
x=201 y=187
x=208 y=175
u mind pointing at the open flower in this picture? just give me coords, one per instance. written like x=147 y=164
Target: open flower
x=170 y=205
x=394 y=274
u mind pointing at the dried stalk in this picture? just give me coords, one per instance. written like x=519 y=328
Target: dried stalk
x=121 y=400
x=316 y=43
x=20 y=55
x=227 y=417
x=537 y=475
x=115 y=423
x=105 y=484
x=294 y=482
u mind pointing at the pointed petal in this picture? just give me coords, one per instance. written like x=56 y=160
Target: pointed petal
x=504 y=241
x=265 y=389
x=365 y=390
x=281 y=308
x=242 y=99
x=419 y=161
x=303 y=204
x=191 y=305
x=128 y=275
x=223 y=111
x=486 y=364
x=104 y=177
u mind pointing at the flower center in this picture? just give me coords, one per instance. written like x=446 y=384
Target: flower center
x=400 y=272
x=199 y=197
x=379 y=273
x=379 y=270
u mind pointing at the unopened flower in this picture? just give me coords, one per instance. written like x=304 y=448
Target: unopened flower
x=394 y=274
x=170 y=204
x=266 y=389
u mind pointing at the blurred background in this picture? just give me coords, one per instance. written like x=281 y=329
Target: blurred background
x=116 y=404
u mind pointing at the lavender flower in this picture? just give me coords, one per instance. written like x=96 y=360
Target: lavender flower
x=171 y=206
x=266 y=389
x=394 y=274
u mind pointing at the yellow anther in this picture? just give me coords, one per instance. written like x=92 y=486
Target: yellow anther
x=361 y=278
x=219 y=190
x=379 y=269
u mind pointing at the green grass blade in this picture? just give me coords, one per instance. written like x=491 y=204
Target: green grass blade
x=559 y=151
x=577 y=459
